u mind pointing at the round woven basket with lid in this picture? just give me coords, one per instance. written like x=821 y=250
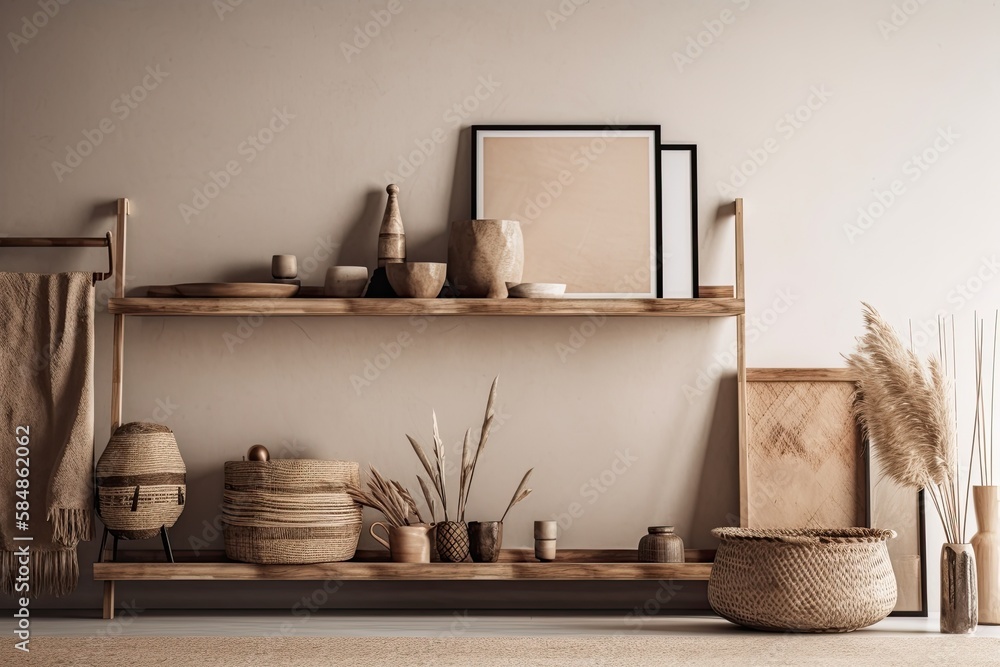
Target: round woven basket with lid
x=290 y=511
x=141 y=481
x=809 y=580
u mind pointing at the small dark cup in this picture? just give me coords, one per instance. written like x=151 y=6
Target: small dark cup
x=485 y=540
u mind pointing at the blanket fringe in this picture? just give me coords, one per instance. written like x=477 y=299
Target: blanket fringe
x=70 y=526
x=54 y=572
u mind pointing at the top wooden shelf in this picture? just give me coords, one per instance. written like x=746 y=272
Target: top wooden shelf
x=402 y=307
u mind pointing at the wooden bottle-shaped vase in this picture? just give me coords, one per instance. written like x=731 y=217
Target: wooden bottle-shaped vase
x=986 y=544
x=391 y=239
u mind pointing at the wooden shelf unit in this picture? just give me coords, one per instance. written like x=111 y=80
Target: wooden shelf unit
x=400 y=307
x=514 y=564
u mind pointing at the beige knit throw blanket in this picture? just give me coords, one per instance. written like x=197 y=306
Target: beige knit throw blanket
x=46 y=379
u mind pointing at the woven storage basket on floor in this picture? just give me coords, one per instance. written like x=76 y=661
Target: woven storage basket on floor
x=290 y=511
x=811 y=580
x=140 y=481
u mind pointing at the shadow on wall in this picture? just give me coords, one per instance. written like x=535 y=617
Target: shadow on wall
x=434 y=248
x=719 y=487
x=461 y=182
x=358 y=247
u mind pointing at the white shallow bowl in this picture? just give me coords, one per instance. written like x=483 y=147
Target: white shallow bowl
x=535 y=290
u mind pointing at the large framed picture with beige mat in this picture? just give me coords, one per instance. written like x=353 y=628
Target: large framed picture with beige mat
x=587 y=198
x=808 y=466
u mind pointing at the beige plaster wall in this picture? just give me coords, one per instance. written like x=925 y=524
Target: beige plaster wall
x=810 y=110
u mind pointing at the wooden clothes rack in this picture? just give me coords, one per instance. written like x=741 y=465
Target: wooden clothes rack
x=67 y=242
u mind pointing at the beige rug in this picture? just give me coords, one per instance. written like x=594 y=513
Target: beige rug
x=627 y=651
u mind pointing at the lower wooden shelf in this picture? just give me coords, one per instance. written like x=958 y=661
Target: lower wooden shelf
x=514 y=564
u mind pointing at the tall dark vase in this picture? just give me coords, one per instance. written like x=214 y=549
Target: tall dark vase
x=959 y=595
x=485 y=540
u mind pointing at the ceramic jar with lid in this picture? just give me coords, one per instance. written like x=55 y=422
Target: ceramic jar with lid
x=661 y=545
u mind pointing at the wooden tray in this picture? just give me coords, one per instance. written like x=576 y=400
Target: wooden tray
x=225 y=290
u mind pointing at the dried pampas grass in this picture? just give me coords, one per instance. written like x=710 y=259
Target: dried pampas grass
x=907 y=410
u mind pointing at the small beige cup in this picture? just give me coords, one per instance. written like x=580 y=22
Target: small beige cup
x=545 y=550
x=284 y=266
x=545 y=530
x=345 y=282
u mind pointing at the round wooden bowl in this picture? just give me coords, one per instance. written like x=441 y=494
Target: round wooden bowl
x=416 y=280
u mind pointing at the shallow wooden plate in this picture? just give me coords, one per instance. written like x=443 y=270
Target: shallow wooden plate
x=225 y=290
x=162 y=291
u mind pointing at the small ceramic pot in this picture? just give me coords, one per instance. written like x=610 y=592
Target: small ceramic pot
x=452 y=540
x=485 y=540
x=416 y=280
x=661 y=545
x=345 y=282
x=546 y=530
x=284 y=266
x=485 y=255
x=545 y=550
x=406 y=544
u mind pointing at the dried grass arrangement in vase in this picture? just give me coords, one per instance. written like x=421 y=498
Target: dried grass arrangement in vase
x=486 y=537
x=407 y=534
x=907 y=408
x=453 y=536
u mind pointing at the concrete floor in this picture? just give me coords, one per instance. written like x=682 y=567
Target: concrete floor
x=302 y=623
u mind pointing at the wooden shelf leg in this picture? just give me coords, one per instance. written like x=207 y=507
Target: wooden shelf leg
x=109 y=600
x=741 y=370
x=117 y=368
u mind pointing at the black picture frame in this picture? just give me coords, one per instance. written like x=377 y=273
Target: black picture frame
x=656 y=259
x=921 y=537
x=690 y=234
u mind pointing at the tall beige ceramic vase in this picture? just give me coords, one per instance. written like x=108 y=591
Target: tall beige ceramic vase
x=986 y=544
x=485 y=255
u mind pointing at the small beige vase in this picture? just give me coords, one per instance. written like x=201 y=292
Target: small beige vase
x=485 y=255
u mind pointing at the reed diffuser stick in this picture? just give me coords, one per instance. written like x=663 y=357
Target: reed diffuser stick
x=993 y=403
